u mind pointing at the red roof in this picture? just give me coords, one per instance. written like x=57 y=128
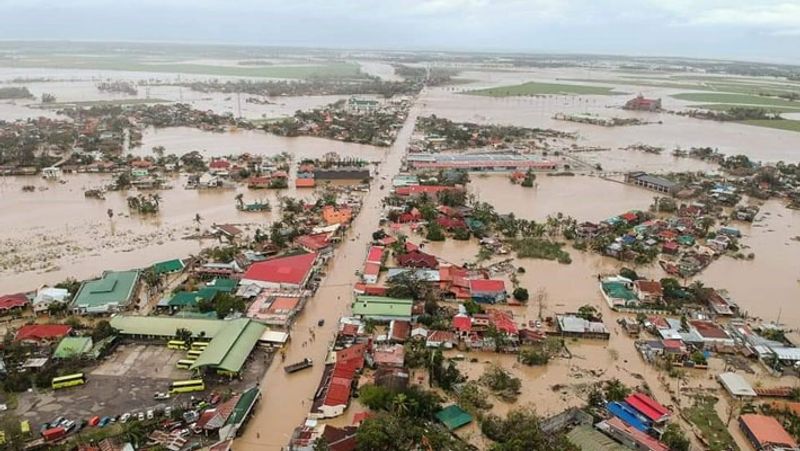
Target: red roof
x=648 y=407
x=400 y=330
x=338 y=392
x=462 y=323
x=372 y=269
x=370 y=289
x=37 y=332
x=314 y=242
x=767 y=430
x=10 y=301
x=375 y=254
x=291 y=270
x=387 y=240
x=417 y=259
x=672 y=343
x=644 y=440
x=503 y=322
x=487 y=285
x=419 y=189
x=707 y=329
x=349 y=330
x=219 y=164
x=629 y=216
x=361 y=416
x=650 y=286
x=304 y=183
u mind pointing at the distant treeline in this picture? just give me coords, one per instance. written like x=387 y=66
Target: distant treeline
x=14 y=92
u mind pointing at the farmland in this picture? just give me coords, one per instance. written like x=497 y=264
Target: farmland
x=736 y=99
x=537 y=88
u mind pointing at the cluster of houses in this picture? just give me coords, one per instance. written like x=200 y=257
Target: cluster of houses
x=330 y=168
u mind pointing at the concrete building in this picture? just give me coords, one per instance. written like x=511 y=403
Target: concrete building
x=110 y=293
x=652 y=182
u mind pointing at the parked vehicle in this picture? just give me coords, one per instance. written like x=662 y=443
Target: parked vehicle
x=69 y=425
x=104 y=421
x=150 y=414
x=82 y=424
x=94 y=420
x=301 y=365
x=54 y=433
x=168 y=411
x=125 y=417
x=161 y=396
x=141 y=416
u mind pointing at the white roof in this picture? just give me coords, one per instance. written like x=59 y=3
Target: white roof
x=736 y=385
x=274 y=336
x=783 y=353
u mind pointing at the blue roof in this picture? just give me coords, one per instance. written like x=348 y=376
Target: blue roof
x=629 y=415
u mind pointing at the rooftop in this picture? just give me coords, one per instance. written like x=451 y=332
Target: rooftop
x=379 y=306
x=767 y=430
x=113 y=289
x=454 y=417
x=231 y=346
x=736 y=385
x=289 y=270
x=72 y=347
x=37 y=332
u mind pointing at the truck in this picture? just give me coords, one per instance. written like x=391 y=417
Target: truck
x=54 y=434
x=301 y=365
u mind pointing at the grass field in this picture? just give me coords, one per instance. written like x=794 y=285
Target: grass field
x=535 y=88
x=639 y=82
x=780 y=124
x=720 y=85
x=330 y=70
x=727 y=106
x=703 y=415
x=737 y=99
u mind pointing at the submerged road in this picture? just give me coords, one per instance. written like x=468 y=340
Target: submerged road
x=287 y=397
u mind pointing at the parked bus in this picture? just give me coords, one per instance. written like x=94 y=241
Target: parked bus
x=69 y=380
x=176 y=344
x=194 y=353
x=199 y=345
x=190 y=358
x=184 y=364
x=187 y=386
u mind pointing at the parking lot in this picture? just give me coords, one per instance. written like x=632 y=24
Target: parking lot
x=126 y=382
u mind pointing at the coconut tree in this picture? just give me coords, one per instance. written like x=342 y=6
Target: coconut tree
x=239 y=201
x=197 y=220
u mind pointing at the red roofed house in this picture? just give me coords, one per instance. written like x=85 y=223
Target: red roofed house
x=12 y=302
x=765 y=432
x=219 y=166
x=648 y=291
x=462 y=325
x=337 y=382
x=504 y=322
x=281 y=272
x=375 y=254
x=648 y=407
x=629 y=436
x=410 y=216
x=629 y=217
x=487 y=290
x=415 y=190
x=390 y=356
x=670 y=247
x=333 y=215
x=399 y=330
x=711 y=333
x=640 y=103
x=417 y=259
x=448 y=223
x=440 y=339
x=317 y=242
x=42 y=333
x=371 y=272
x=305 y=183
x=260 y=182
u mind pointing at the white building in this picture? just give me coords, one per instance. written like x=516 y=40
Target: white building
x=47 y=296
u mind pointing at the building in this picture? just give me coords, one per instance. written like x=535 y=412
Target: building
x=42 y=333
x=765 y=433
x=358 y=106
x=342 y=173
x=110 y=293
x=649 y=407
x=168 y=266
x=586 y=438
x=417 y=259
x=648 y=291
x=652 y=182
x=482 y=162
x=574 y=326
x=382 y=308
x=12 y=302
x=736 y=385
x=618 y=292
x=291 y=272
x=453 y=417
x=70 y=347
x=441 y=339
x=711 y=333
x=334 y=215
x=630 y=436
x=47 y=296
x=640 y=103
x=487 y=290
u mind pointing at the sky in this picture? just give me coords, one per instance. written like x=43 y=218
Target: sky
x=756 y=30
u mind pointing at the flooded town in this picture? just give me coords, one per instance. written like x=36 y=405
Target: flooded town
x=229 y=247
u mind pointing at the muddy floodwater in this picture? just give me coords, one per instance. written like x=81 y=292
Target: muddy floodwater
x=55 y=232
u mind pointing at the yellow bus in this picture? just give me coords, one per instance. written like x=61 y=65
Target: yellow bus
x=227 y=373
x=199 y=345
x=187 y=386
x=184 y=364
x=69 y=380
x=176 y=344
x=190 y=358
x=194 y=354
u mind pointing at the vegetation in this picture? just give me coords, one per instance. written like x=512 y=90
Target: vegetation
x=501 y=383
x=224 y=304
x=536 y=88
x=675 y=438
x=520 y=431
x=735 y=99
x=13 y=92
x=780 y=124
x=521 y=294
x=703 y=415
x=540 y=248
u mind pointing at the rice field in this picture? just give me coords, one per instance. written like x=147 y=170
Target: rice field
x=735 y=99
x=780 y=124
x=536 y=88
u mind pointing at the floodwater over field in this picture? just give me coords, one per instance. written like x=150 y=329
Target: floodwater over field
x=179 y=140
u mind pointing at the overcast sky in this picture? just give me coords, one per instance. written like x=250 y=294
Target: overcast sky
x=745 y=29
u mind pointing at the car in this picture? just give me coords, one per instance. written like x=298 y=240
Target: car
x=57 y=422
x=44 y=427
x=81 y=424
x=183 y=432
x=125 y=417
x=68 y=425
x=168 y=411
x=214 y=398
x=161 y=396
x=150 y=414
x=112 y=420
x=104 y=421
x=94 y=420
x=141 y=416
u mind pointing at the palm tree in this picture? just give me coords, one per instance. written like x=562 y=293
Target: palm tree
x=239 y=201
x=156 y=198
x=400 y=403
x=110 y=213
x=198 y=220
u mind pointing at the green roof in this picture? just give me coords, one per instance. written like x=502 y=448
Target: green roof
x=379 y=306
x=223 y=284
x=231 y=345
x=111 y=291
x=243 y=406
x=618 y=290
x=587 y=438
x=165 y=326
x=168 y=266
x=454 y=417
x=192 y=298
x=72 y=347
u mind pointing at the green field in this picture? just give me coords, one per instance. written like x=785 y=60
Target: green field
x=639 y=82
x=719 y=85
x=535 y=88
x=329 y=70
x=91 y=103
x=780 y=124
x=703 y=415
x=728 y=106
x=737 y=99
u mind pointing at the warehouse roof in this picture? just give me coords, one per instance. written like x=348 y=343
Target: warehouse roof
x=72 y=347
x=587 y=438
x=736 y=385
x=114 y=288
x=168 y=266
x=165 y=326
x=229 y=349
x=379 y=306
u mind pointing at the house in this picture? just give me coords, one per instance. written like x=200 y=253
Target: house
x=392 y=378
x=640 y=103
x=630 y=436
x=648 y=291
x=230 y=232
x=375 y=254
x=652 y=182
x=42 y=333
x=110 y=293
x=765 y=433
x=380 y=308
x=736 y=385
x=70 y=347
x=440 y=339
x=46 y=296
x=12 y=302
x=711 y=333
x=334 y=215
x=417 y=259
x=574 y=326
x=304 y=182
x=453 y=417
x=487 y=290
x=371 y=273
x=389 y=356
x=399 y=331
x=317 y=242
x=462 y=325
x=419 y=333
x=291 y=272
x=618 y=292
x=649 y=407
x=219 y=166
x=258 y=182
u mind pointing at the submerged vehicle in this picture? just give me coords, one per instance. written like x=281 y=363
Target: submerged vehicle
x=301 y=365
